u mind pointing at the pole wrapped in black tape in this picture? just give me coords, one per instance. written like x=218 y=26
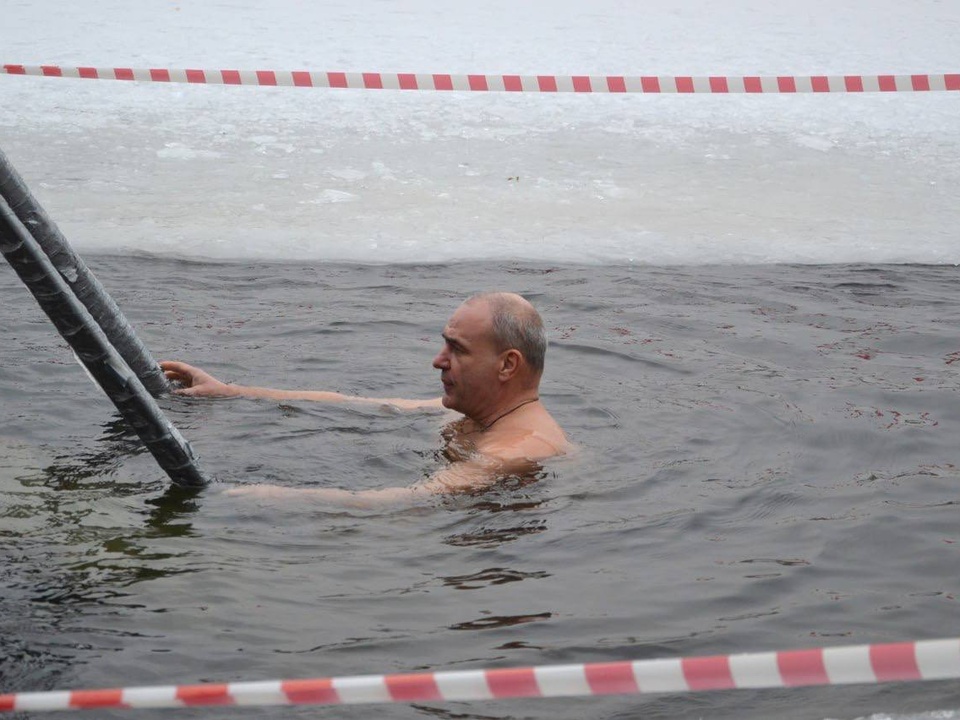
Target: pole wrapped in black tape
x=80 y=279
x=91 y=345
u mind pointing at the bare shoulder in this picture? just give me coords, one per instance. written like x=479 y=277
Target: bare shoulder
x=533 y=443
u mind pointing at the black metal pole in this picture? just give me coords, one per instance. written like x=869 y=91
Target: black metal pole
x=95 y=351
x=78 y=276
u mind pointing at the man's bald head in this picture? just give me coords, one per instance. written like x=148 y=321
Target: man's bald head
x=516 y=325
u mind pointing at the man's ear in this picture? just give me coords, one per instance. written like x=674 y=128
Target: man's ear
x=510 y=362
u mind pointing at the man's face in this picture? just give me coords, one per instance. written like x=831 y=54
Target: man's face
x=469 y=361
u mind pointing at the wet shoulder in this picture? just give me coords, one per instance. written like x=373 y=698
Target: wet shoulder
x=526 y=444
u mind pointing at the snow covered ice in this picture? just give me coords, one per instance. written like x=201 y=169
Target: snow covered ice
x=387 y=176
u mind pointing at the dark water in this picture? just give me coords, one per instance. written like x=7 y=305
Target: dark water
x=769 y=461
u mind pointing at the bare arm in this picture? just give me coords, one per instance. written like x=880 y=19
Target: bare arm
x=480 y=471
x=459 y=477
x=198 y=383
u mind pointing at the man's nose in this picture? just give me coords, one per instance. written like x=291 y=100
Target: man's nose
x=441 y=361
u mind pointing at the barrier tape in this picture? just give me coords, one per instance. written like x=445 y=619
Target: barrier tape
x=880 y=663
x=648 y=84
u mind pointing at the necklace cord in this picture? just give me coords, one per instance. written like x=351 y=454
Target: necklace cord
x=484 y=428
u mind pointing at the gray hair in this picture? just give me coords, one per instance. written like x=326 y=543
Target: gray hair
x=516 y=325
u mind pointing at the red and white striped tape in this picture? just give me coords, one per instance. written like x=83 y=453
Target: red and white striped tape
x=649 y=84
x=921 y=660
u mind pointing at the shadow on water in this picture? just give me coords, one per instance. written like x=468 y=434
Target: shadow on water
x=91 y=469
x=502 y=515
x=74 y=541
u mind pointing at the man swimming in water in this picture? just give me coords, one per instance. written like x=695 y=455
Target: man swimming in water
x=490 y=365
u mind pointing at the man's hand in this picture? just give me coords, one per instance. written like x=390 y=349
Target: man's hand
x=195 y=381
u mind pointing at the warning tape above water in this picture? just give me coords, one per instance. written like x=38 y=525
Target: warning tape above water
x=648 y=84
x=921 y=660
